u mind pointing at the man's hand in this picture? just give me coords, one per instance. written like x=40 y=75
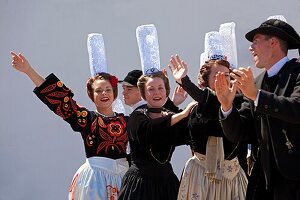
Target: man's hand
x=245 y=82
x=225 y=93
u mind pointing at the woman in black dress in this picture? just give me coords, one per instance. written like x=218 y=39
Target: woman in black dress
x=153 y=135
x=214 y=172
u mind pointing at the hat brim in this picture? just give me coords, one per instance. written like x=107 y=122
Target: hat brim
x=292 y=42
x=127 y=84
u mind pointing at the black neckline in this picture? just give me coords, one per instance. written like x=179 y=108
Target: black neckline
x=154 y=110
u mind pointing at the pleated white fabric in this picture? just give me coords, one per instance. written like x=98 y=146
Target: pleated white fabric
x=98 y=178
x=196 y=185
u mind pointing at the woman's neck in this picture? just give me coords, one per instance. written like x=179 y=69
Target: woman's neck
x=154 y=112
x=106 y=112
x=154 y=115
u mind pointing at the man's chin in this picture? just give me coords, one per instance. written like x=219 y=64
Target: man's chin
x=258 y=65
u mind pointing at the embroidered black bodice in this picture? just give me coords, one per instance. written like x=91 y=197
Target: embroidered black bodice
x=102 y=136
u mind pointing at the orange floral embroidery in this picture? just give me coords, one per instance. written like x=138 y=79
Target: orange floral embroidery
x=115 y=128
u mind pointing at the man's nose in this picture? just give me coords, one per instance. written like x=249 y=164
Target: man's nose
x=251 y=48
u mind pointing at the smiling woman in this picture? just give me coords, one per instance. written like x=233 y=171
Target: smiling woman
x=103 y=131
x=154 y=89
x=102 y=90
x=153 y=134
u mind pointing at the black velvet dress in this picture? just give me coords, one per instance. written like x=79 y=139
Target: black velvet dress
x=152 y=142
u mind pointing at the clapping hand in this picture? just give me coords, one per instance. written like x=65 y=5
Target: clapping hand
x=245 y=82
x=224 y=91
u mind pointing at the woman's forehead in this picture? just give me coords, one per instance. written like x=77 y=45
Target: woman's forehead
x=101 y=83
x=155 y=81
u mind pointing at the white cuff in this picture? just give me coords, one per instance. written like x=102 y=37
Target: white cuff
x=257 y=97
x=225 y=114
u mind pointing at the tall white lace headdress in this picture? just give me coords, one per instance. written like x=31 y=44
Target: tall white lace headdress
x=221 y=45
x=148 y=45
x=98 y=64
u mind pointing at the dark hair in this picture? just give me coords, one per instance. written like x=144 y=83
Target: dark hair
x=205 y=70
x=100 y=76
x=144 y=78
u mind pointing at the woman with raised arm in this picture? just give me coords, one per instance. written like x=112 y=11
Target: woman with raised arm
x=103 y=131
x=214 y=172
x=153 y=134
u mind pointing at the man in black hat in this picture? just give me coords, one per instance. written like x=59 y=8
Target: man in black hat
x=131 y=94
x=270 y=117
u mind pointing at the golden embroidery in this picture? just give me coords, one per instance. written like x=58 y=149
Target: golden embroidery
x=60 y=84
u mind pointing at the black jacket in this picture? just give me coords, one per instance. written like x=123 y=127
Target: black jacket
x=270 y=125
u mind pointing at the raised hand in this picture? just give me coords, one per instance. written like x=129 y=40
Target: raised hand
x=179 y=96
x=224 y=91
x=19 y=62
x=164 y=71
x=178 y=67
x=245 y=82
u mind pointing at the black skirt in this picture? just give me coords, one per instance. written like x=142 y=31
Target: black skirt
x=149 y=181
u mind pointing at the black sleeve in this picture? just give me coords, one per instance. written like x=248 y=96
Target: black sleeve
x=181 y=133
x=196 y=93
x=169 y=105
x=59 y=99
x=239 y=125
x=145 y=130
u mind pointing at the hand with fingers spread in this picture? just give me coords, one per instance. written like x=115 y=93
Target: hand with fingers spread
x=225 y=93
x=179 y=96
x=178 y=67
x=245 y=82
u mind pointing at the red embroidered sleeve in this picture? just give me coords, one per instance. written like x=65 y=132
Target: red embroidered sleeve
x=60 y=100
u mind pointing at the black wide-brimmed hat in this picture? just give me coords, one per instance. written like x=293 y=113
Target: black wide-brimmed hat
x=279 y=29
x=132 y=78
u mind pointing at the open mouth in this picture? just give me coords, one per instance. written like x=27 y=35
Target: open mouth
x=157 y=98
x=104 y=99
x=254 y=54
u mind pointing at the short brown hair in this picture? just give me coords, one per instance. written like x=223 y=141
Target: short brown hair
x=205 y=70
x=283 y=44
x=99 y=76
x=144 y=78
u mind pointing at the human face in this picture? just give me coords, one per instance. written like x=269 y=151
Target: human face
x=213 y=72
x=261 y=51
x=103 y=94
x=131 y=95
x=155 y=92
